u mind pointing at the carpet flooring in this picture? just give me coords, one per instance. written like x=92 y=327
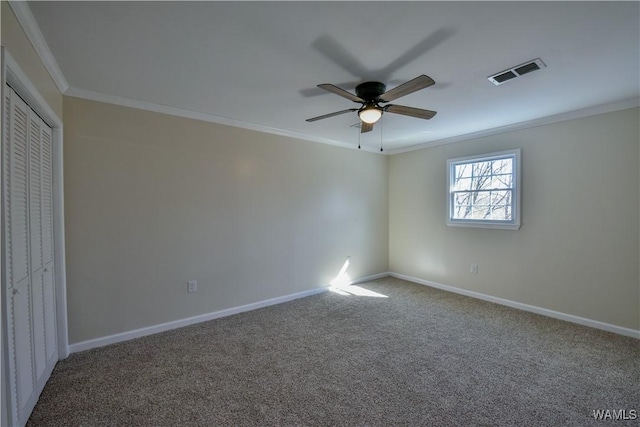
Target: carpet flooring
x=416 y=357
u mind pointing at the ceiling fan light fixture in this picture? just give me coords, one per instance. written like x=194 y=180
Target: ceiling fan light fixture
x=370 y=114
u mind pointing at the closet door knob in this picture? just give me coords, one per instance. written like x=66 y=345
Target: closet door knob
x=16 y=291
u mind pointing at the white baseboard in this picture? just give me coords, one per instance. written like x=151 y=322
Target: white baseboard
x=525 y=307
x=150 y=330
x=370 y=278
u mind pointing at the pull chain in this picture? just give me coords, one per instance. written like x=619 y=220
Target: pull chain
x=381 y=134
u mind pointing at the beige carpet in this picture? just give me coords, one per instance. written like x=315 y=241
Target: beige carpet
x=418 y=357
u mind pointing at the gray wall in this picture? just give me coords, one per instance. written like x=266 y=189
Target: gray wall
x=152 y=201
x=577 y=251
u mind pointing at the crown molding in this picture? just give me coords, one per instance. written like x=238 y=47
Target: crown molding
x=20 y=82
x=196 y=115
x=562 y=117
x=189 y=114
x=32 y=30
x=35 y=36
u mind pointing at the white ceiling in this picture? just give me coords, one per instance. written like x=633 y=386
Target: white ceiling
x=257 y=64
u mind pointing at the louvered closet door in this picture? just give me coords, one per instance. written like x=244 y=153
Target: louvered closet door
x=28 y=212
x=50 y=325
x=19 y=299
x=35 y=227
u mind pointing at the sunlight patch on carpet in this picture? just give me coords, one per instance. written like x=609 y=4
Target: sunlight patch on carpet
x=356 y=290
x=341 y=284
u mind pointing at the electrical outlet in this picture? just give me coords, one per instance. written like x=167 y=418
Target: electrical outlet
x=474 y=269
x=192 y=286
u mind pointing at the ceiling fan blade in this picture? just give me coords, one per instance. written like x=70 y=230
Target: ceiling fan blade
x=343 y=93
x=326 y=116
x=366 y=127
x=315 y=91
x=410 y=111
x=411 y=86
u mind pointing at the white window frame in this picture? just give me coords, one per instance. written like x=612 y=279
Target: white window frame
x=514 y=223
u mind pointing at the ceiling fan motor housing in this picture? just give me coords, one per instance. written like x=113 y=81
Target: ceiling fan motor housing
x=369 y=91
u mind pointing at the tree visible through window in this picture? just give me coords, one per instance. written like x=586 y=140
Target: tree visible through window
x=483 y=191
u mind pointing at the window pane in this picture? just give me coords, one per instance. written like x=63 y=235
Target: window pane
x=462 y=184
x=502 y=213
x=482 y=182
x=481 y=168
x=502 y=181
x=482 y=198
x=462 y=212
x=462 y=199
x=500 y=197
x=463 y=171
x=503 y=166
x=480 y=212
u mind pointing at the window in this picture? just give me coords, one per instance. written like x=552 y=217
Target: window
x=484 y=191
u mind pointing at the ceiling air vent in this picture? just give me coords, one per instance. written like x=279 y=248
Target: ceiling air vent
x=517 y=71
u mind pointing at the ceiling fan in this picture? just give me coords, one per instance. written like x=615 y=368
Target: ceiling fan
x=372 y=94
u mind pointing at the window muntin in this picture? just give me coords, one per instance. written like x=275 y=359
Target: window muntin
x=483 y=191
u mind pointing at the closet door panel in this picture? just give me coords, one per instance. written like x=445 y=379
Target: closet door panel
x=38 y=326
x=18 y=280
x=51 y=332
x=35 y=249
x=35 y=192
x=47 y=196
x=24 y=386
x=18 y=233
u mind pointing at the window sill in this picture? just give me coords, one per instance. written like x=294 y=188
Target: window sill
x=488 y=225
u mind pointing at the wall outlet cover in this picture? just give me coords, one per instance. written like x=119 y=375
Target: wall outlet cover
x=192 y=286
